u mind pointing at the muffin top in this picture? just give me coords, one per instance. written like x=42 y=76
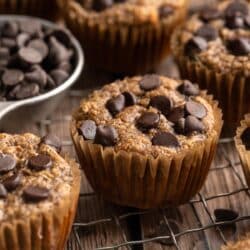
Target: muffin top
x=218 y=37
x=151 y=115
x=128 y=11
x=33 y=176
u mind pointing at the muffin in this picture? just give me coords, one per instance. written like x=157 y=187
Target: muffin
x=213 y=48
x=45 y=8
x=38 y=193
x=242 y=142
x=124 y=36
x=242 y=244
x=147 y=141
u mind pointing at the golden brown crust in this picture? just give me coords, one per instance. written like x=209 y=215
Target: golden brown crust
x=242 y=244
x=216 y=56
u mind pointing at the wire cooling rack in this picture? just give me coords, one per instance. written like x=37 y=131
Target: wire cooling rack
x=130 y=222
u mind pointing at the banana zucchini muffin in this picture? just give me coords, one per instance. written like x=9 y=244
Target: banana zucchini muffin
x=213 y=49
x=124 y=36
x=147 y=141
x=38 y=193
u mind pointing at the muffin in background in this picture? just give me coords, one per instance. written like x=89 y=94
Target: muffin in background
x=213 y=49
x=124 y=37
x=39 y=192
x=42 y=8
x=242 y=143
x=147 y=141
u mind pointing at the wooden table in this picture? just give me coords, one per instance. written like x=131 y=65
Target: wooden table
x=101 y=225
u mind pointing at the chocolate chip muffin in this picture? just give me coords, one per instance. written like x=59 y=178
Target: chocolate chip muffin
x=124 y=36
x=242 y=142
x=45 y=8
x=213 y=49
x=38 y=193
x=147 y=141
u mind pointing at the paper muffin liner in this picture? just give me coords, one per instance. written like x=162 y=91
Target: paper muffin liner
x=41 y=8
x=231 y=90
x=243 y=152
x=45 y=230
x=118 y=48
x=136 y=180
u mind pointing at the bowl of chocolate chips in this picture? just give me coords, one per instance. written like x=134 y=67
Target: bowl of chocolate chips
x=39 y=62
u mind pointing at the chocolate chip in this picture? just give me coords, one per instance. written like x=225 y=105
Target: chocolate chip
x=130 y=98
x=162 y=103
x=239 y=46
x=236 y=8
x=10 y=29
x=40 y=162
x=165 y=11
x=150 y=82
x=12 y=182
x=30 y=55
x=26 y=90
x=3 y=192
x=116 y=104
x=196 y=109
x=37 y=75
x=59 y=76
x=65 y=66
x=176 y=114
x=208 y=32
x=4 y=52
x=165 y=139
x=8 y=43
x=52 y=141
x=148 y=120
x=188 y=88
x=35 y=193
x=247 y=21
x=209 y=14
x=40 y=46
x=88 y=129
x=58 y=52
x=100 y=5
x=7 y=163
x=192 y=124
x=222 y=214
x=62 y=35
x=106 y=135
x=12 y=77
x=31 y=27
x=179 y=126
x=245 y=137
x=195 y=45
x=234 y=22
x=22 y=39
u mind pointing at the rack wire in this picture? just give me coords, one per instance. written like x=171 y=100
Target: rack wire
x=171 y=235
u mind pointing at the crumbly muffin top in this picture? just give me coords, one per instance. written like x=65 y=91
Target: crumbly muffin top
x=151 y=115
x=218 y=37
x=242 y=244
x=33 y=176
x=127 y=11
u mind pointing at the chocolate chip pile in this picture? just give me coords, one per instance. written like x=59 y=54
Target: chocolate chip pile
x=186 y=119
x=33 y=58
x=12 y=173
x=234 y=17
x=164 y=10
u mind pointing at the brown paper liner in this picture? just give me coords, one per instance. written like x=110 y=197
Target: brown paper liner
x=133 y=179
x=244 y=154
x=231 y=90
x=126 y=49
x=46 y=230
x=42 y=8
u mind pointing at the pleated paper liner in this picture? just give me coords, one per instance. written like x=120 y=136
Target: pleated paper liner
x=47 y=9
x=232 y=91
x=45 y=230
x=243 y=152
x=125 y=49
x=132 y=179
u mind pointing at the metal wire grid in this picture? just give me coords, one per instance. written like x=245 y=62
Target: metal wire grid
x=230 y=164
